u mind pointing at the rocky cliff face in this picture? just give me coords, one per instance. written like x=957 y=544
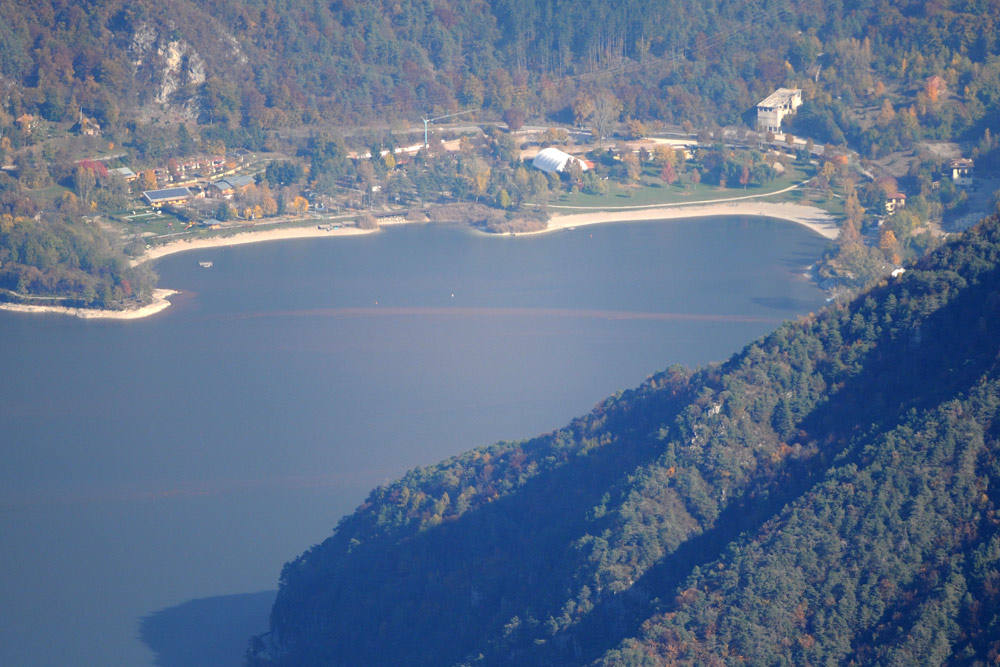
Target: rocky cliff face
x=169 y=65
x=169 y=62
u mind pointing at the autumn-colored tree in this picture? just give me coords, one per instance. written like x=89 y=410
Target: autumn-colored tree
x=514 y=117
x=828 y=170
x=367 y=221
x=84 y=181
x=269 y=206
x=888 y=244
x=69 y=203
x=479 y=172
x=665 y=155
x=632 y=167
x=500 y=89
x=149 y=180
x=886 y=115
x=744 y=176
x=607 y=108
x=503 y=199
x=583 y=106
x=555 y=136
x=473 y=92
x=635 y=128
x=849 y=233
x=668 y=174
x=299 y=204
x=933 y=88
x=99 y=168
x=853 y=210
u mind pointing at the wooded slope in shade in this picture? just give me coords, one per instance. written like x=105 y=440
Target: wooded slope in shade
x=827 y=494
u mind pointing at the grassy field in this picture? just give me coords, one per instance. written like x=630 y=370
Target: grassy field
x=176 y=233
x=144 y=220
x=652 y=191
x=832 y=202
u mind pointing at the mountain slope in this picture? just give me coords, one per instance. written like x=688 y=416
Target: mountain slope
x=827 y=493
x=279 y=63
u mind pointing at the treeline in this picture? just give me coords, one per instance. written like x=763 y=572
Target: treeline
x=63 y=261
x=826 y=495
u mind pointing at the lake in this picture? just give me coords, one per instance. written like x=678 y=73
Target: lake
x=157 y=473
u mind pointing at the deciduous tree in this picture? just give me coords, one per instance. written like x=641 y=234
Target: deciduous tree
x=605 y=114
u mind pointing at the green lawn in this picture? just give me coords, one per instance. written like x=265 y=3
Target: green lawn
x=652 y=191
x=145 y=219
x=833 y=204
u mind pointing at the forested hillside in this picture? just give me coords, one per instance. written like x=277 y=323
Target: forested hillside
x=259 y=64
x=65 y=256
x=828 y=494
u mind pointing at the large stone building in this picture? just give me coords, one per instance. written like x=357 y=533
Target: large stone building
x=772 y=109
x=960 y=170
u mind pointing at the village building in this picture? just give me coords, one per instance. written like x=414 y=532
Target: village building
x=125 y=173
x=772 y=109
x=157 y=198
x=26 y=122
x=960 y=170
x=894 y=202
x=87 y=127
x=552 y=160
x=227 y=188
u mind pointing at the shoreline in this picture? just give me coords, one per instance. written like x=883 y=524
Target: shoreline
x=811 y=217
x=279 y=234
x=160 y=302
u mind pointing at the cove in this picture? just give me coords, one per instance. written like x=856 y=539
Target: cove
x=152 y=464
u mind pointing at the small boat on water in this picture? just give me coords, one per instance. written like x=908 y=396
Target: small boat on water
x=205 y=265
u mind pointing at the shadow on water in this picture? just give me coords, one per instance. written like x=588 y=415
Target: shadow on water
x=800 y=261
x=785 y=303
x=208 y=631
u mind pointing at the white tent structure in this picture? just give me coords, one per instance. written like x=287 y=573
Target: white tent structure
x=552 y=160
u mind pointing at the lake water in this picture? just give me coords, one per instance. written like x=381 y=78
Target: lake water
x=156 y=474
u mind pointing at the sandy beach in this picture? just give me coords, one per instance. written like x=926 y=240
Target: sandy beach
x=161 y=296
x=814 y=218
x=276 y=234
x=160 y=302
